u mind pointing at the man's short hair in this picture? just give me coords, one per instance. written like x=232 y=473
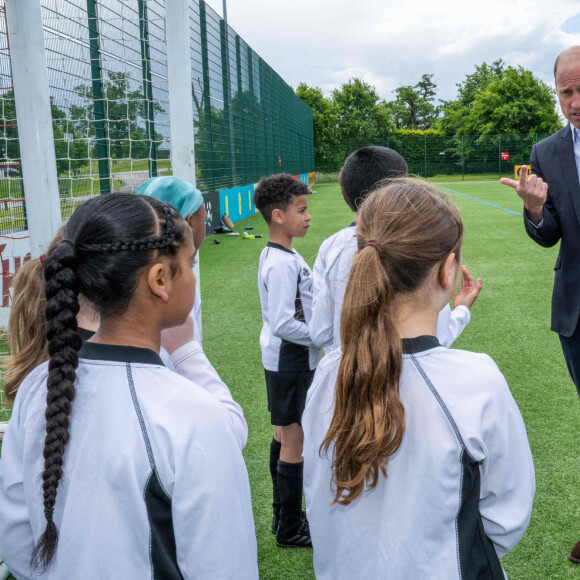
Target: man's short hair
x=364 y=168
x=277 y=192
x=573 y=51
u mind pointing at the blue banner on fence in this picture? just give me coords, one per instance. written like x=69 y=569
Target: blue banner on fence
x=304 y=178
x=237 y=202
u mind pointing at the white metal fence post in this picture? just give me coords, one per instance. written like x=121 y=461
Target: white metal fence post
x=180 y=96
x=35 y=132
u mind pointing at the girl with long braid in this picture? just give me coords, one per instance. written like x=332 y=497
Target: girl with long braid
x=416 y=459
x=28 y=347
x=112 y=465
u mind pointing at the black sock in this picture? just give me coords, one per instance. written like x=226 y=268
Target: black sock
x=274 y=456
x=290 y=485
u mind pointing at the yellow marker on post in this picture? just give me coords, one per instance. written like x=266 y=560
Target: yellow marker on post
x=517 y=171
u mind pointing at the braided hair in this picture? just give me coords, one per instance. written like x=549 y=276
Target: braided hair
x=106 y=244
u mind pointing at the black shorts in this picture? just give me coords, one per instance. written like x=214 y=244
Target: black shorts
x=287 y=395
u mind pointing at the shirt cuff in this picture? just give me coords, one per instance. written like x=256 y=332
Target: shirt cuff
x=531 y=222
x=538 y=226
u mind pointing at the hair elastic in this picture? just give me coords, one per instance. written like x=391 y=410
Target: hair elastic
x=377 y=246
x=42 y=259
x=69 y=243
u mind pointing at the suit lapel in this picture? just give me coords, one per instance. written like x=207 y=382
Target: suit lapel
x=569 y=171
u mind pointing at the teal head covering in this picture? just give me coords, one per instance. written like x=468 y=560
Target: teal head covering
x=185 y=198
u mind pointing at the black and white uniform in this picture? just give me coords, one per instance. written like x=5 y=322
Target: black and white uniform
x=458 y=492
x=331 y=272
x=154 y=481
x=285 y=286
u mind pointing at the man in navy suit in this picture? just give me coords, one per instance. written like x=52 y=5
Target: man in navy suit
x=552 y=211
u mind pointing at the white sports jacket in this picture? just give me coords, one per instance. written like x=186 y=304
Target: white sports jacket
x=154 y=482
x=331 y=272
x=285 y=286
x=458 y=492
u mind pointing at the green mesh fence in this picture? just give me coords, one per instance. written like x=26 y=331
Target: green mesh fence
x=107 y=69
x=438 y=156
x=12 y=208
x=248 y=121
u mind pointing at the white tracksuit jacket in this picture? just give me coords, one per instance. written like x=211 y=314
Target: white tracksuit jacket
x=285 y=287
x=154 y=481
x=458 y=492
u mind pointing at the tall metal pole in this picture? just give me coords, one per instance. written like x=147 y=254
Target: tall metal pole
x=180 y=101
x=98 y=98
x=227 y=90
x=147 y=88
x=499 y=154
x=179 y=84
x=462 y=161
x=32 y=100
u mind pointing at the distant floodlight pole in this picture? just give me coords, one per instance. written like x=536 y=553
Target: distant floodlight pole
x=35 y=131
x=229 y=103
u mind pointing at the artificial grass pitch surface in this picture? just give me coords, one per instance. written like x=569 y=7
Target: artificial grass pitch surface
x=510 y=322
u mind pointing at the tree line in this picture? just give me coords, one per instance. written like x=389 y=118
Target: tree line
x=494 y=99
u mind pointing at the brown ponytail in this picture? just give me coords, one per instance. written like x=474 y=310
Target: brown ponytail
x=404 y=229
x=27 y=343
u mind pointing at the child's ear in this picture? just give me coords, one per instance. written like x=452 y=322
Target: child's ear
x=277 y=216
x=158 y=279
x=447 y=271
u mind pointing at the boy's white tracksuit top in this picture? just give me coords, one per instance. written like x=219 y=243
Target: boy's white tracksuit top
x=458 y=492
x=285 y=287
x=331 y=272
x=154 y=482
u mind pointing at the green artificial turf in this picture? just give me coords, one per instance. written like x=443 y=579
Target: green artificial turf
x=510 y=322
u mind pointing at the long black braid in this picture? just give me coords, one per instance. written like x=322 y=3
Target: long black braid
x=101 y=256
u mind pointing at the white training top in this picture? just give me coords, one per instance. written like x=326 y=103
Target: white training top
x=154 y=481
x=285 y=286
x=331 y=271
x=190 y=362
x=196 y=315
x=458 y=492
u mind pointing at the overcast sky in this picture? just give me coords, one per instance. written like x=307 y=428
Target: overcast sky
x=391 y=43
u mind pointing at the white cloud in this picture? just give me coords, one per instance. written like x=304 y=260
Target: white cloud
x=389 y=43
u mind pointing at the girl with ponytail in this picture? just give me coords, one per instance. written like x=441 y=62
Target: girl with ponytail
x=416 y=459
x=113 y=465
x=27 y=344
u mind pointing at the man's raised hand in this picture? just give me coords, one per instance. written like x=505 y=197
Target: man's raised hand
x=533 y=192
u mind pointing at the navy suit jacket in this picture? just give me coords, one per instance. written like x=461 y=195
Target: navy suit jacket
x=553 y=160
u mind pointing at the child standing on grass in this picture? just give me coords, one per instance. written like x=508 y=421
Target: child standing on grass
x=363 y=170
x=416 y=460
x=112 y=465
x=288 y=355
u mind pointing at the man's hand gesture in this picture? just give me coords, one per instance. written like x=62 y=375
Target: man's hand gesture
x=533 y=192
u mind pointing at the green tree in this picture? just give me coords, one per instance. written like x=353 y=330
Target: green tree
x=361 y=113
x=498 y=99
x=414 y=106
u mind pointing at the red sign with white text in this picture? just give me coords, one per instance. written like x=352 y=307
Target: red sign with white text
x=505 y=156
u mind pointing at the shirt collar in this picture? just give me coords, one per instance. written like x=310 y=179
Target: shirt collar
x=419 y=344
x=118 y=353
x=575 y=135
